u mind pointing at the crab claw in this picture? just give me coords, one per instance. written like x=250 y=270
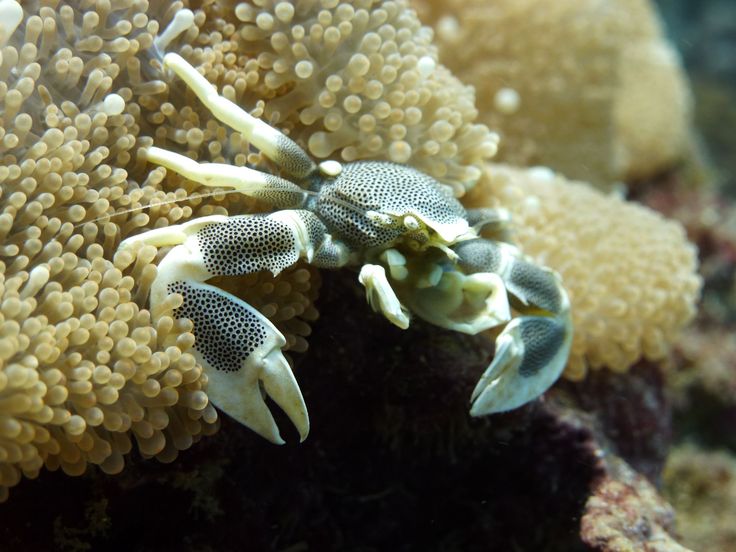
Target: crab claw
x=531 y=353
x=532 y=350
x=240 y=351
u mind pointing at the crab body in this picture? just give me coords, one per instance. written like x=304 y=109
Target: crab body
x=417 y=249
x=373 y=204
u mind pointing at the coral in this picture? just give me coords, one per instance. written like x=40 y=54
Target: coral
x=355 y=80
x=83 y=368
x=715 y=115
x=702 y=374
x=625 y=513
x=587 y=87
x=653 y=104
x=707 y=360
x=709 y=219
x=702 y=487
x=630 y=274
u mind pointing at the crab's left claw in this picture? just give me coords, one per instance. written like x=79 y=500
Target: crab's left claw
x=531 y=353
x=532 y=350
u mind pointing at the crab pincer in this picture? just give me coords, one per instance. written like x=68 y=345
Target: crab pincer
x=238 y=347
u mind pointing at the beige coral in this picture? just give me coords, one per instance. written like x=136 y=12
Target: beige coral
x=587 y=87
x=651 y=120
x=630 y=273
x=83 y=368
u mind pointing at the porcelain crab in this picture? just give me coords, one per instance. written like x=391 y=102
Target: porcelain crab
x=418 y=251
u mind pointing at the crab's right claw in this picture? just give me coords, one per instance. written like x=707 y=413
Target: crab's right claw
x=381 y=296
x=531 y=353
x=240 y=351
x=239 y=348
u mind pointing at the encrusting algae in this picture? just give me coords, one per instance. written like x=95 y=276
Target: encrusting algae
x=84 y=371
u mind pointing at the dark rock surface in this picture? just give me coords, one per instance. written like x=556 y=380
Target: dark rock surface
x=393 y=461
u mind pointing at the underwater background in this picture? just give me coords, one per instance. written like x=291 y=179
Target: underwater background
x=638 y=458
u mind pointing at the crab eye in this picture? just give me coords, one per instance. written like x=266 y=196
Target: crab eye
x=411 y=223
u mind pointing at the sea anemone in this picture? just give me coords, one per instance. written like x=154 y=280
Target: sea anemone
x=631 y=274
x=590 y=88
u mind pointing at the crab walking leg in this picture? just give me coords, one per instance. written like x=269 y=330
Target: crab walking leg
x=381 y=296
x=495 y=218
x=532 y=349
x=275 y=145
x=435 y=290
x=272 y=189
x=238 y=347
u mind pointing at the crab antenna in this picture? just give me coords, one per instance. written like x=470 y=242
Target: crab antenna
x=192 y=197
x=274 y=144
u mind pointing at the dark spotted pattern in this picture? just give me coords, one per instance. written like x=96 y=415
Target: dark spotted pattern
x=246 y=244
x=329 y=255
x=534 y=285
x=281 y=193
x=292 y=159
x=226 y=333
x=482 y=216
x=315 y=229
x=478 y=256
x=542 y=338
x=388 y=188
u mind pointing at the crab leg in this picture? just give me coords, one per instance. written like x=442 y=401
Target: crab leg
x=272 y=189
x=275 y=145
x=433 y=288
x=532 y=350
x=238 y=347
x=381 y=296
x=495 y=219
